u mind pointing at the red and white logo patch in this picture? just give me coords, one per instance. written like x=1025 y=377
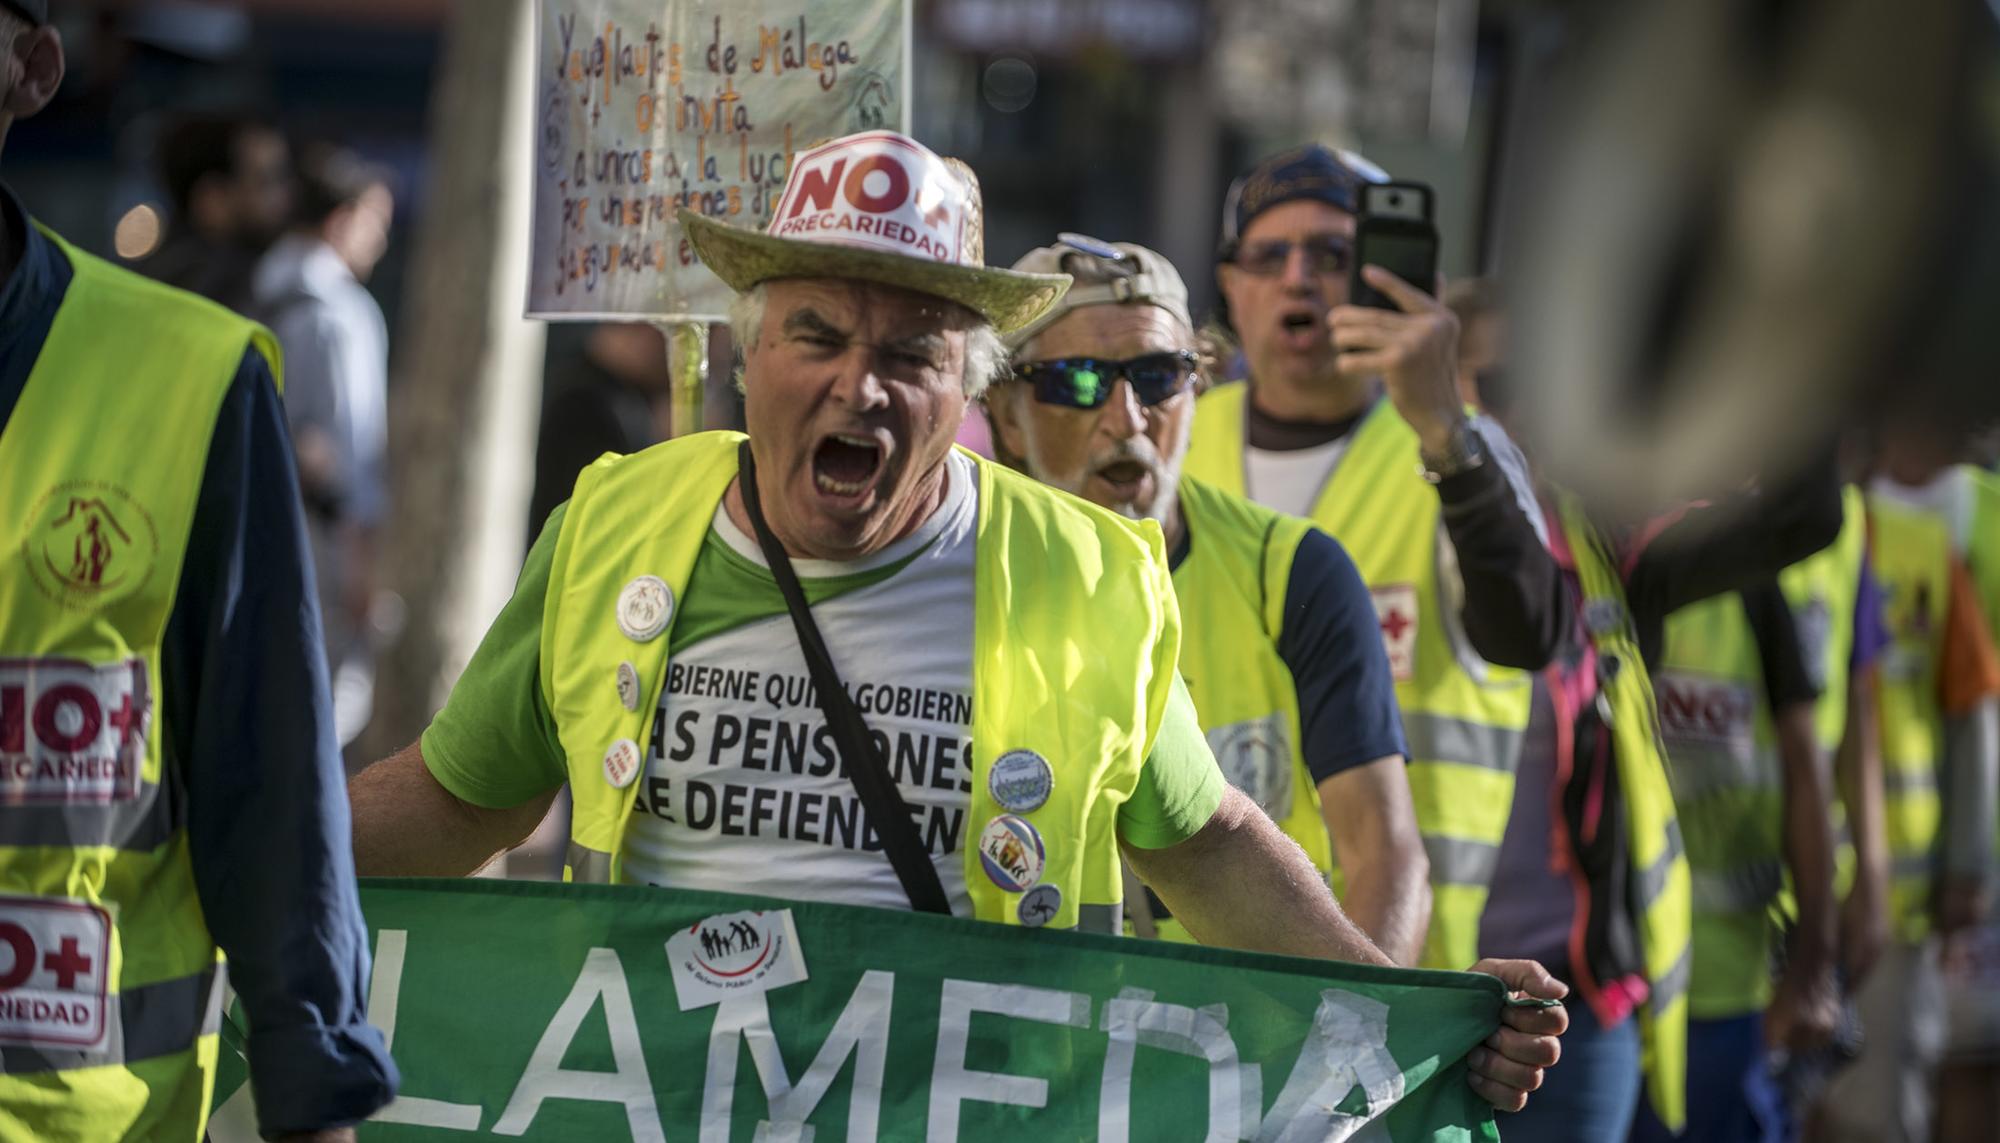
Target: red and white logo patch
x=55 y=963
x=72 y=731
x=876 y=190
x=1396 y=615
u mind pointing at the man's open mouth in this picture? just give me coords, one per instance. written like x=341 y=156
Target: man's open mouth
x=844 y=464
x=1123 y=474
x=1300 y=331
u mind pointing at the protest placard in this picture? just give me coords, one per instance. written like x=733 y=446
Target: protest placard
x=589 y=1012
x=646 y=107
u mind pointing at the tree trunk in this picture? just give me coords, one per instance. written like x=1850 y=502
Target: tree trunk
x=467 y=396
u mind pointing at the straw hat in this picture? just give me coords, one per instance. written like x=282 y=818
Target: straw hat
x=878 y=207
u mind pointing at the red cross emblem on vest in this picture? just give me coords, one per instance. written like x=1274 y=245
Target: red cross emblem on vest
x=1396 y=613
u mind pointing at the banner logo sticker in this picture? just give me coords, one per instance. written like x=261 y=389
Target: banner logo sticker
x=734 y=954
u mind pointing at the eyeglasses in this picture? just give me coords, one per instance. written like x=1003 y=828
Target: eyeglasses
x=1325 y=254
x=1085 y=382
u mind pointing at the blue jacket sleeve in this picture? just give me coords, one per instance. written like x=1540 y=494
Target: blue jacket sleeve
x=250 y=726
x=1333 y=647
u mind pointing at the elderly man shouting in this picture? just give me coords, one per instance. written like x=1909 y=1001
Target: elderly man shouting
x=839 y=660
x=1279 y=647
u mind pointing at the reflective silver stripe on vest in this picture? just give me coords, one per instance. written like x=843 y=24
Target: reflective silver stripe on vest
x=1698 y=769
x=156 y=1019
x=1742 y=889
x=1674 y=982
x=1101 y=919
x=140 y=825
x=1971 y=792
x=591 y=866
x=1913 y=867
x=1440 y=738
x=1456 y=861
x=1903 y=783
x=1653 y=878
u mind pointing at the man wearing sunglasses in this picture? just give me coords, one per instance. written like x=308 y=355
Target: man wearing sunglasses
x=1352 y=418
x=1279 y=640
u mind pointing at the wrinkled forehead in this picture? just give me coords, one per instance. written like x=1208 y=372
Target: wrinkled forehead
x=1115 y=331
x=870 y=311
x=1298 y=219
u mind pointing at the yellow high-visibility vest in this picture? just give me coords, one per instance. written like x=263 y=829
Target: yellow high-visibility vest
x=1462 y=719
x=113 y=989
x=1911 y=554
x=1661 y=882
x=1075 y=637
x=1231 y=588
x=1728 y=785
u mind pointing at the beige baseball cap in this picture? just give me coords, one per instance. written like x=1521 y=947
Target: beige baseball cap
x=1105 y=274
x=878 y=207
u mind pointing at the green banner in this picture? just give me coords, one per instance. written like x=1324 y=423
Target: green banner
x=546 y=1011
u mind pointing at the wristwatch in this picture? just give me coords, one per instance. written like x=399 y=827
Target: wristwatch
x=1464 y=451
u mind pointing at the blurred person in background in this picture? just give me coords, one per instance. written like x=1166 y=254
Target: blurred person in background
x=1940 y=761
x=1562 y=889
x=178 y=788
x=1738 y=694
x=1279 y=647
x=309 y=290
x=1926 y=460
x=229 y=186
x=1352 y=418
x=610 y=397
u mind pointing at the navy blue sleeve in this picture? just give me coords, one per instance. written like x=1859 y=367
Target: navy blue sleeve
x=1781 y=652
x=250 y=724
x=1333 y=647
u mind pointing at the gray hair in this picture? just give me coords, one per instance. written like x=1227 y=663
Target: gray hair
x=985 y=354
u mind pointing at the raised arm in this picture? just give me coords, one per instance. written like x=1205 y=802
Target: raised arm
x=1731 y=544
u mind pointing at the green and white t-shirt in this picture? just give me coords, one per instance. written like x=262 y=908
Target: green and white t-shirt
x=742 y=790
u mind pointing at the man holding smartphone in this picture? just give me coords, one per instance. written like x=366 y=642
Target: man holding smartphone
x=1351 y=417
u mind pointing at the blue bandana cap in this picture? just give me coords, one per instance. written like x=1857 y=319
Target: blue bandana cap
x=1313 y=171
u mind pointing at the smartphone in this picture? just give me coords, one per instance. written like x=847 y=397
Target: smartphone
x=1394 y=231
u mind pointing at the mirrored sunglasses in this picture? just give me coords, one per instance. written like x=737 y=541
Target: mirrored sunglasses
x=1086 y=382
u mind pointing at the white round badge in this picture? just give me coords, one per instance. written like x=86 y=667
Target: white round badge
x=1011 y=852
x=644 y=606
x=1039 y=906
x=621 y=763
x=628 y=686
x=1020 y=780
